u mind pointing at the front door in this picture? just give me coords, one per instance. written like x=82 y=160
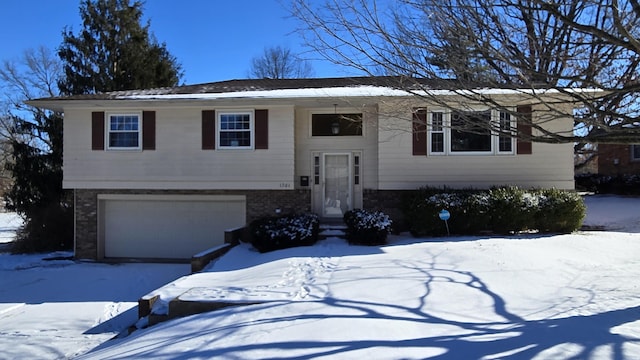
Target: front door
x=337 y=190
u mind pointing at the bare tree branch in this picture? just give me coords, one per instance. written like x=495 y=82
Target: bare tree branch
x=470 y=45
x=279 y=63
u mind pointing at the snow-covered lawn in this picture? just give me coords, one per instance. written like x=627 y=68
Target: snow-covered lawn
x=544 y=297
x=58 y=309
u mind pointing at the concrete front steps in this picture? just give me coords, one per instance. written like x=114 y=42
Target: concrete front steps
x=332 y=229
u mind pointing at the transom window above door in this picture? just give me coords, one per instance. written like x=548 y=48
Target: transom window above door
x=336 y=124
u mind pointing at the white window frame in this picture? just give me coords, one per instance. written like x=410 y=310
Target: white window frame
x=108 y=130
x=434 y=129
x=497 y=114
x=447 y=131
x=251 y=130
x=633 y=152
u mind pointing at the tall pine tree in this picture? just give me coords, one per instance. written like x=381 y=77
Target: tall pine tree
x=114 y=51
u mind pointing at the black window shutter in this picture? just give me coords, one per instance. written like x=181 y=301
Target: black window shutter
x=97 y=130
x=208 y=129
x=262 y=129
x=419 y=132
x=524 y=145
x=148 y=130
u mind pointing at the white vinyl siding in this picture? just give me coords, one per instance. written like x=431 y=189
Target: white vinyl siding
x=399 y=170
x=178 y=161
x=386 y=160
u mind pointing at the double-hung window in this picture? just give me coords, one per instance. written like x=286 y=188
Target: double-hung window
x=235 y=130
x=124 y=131
x=436 y=136
x=505 y=134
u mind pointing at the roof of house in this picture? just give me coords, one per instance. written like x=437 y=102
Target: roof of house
x=262 y=85
x=310 y=88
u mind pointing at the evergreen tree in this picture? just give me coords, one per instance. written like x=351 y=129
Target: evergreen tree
x=114 y=51
x=34 y=154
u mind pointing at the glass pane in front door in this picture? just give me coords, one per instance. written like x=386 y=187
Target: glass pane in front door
x=337 y=189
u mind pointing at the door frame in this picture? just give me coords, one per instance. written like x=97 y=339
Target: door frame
x=349 y=189
x=319 y=181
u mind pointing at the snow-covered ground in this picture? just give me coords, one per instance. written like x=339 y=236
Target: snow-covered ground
x=9 y=223
x=571 y=296
x=58 y=309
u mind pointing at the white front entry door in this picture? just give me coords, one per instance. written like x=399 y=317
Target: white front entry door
x=337 y=189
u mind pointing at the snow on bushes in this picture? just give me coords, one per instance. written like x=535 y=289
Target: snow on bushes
x=501 y=210
x=273 y=233
x=367 y=227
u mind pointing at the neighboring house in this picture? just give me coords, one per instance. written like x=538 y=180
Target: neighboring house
x=161 y=173
x=618 y=159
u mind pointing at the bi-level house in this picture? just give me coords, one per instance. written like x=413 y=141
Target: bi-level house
x=161 y=173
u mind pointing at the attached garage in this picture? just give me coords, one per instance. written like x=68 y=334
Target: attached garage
x=165 y=226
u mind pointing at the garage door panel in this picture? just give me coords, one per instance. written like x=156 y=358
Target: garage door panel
x=167 y=228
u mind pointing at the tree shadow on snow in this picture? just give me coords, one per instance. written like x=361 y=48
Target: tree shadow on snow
x=505 y=335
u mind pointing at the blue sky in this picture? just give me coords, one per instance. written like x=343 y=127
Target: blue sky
x=212 y=39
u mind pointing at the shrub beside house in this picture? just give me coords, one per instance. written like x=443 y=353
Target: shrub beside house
x=501 y=210
x=617 y=172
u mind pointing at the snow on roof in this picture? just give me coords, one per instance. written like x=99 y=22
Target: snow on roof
x=333 y=92
x=382 y=86
x=356 y=91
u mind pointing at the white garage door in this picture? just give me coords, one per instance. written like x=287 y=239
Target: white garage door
x=167 y=227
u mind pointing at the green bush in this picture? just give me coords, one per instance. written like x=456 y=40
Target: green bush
x=512 y=209
x=559 y=211
x=500 y=210
x=49 y=228
x=468 y=209
x=367 y=227
x=273 y=233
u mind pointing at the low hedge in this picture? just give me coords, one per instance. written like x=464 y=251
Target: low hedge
x=273 y=233
x=367 y=227
x=500 y=210
x=624 y=184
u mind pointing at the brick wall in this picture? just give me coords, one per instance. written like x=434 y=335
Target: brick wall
x=259 y=203
x=387 y=201
x=615 y=159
